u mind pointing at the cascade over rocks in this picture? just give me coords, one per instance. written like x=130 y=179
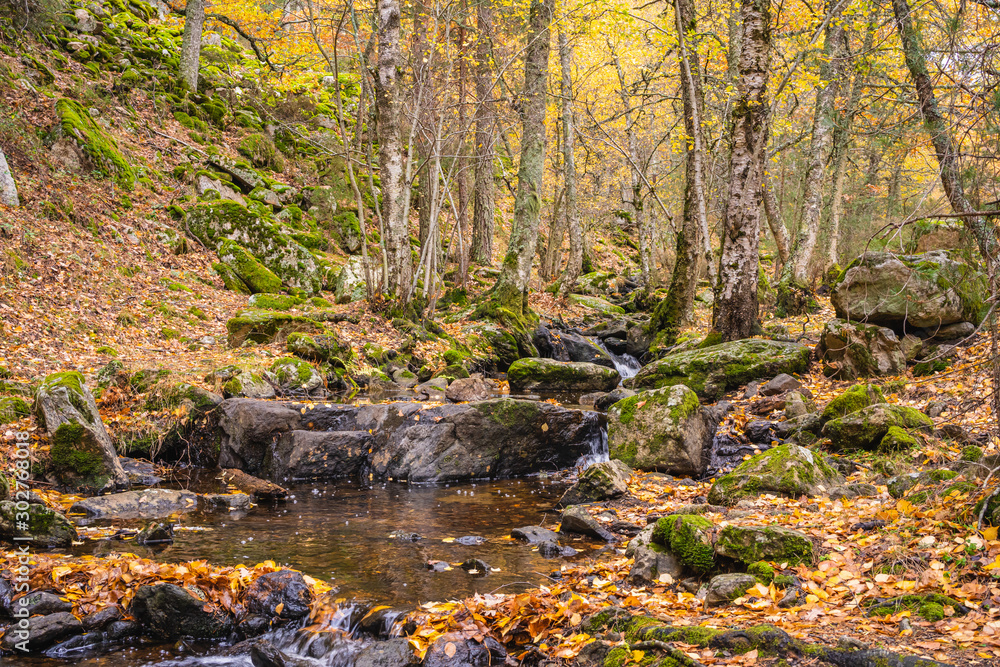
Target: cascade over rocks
x=549 y=375
x=910 y=291
x=496 y=438
x=83 y=456
x=712 y=371
x=665 y=430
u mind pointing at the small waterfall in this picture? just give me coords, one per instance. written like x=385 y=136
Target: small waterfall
x=598 y=451
x=626 y=365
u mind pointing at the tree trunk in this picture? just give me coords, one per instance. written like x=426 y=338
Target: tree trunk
x=462 y=172
x=983 y=231
x=636 y=180
x=735 y=315
x=194 y=21
x=387 y=100
x=8 y=188
x=552 y=256
x=675 y=309
x=778 y=230
x=510 y=291
x=575 y=262
x=484 y=201
x=794 y=294
x=422 y=120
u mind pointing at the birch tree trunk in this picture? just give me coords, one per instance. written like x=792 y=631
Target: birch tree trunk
x=462 y=173
x=484 y=198
x=511 y=289
x=552 y=255
x=795 y=296
x=778 y=230
x=735 y=314
x=194 y=21
x=575 y=262
x=982 y=230
x=675 y=309
x=638 y=221
x=387 y=106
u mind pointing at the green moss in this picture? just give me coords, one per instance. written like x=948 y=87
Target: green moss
x=972 y=453
x=753 y=544
x=685 y=536
x=230 y=280
x=260 y=150
x=509 y=411
x=930 y=607
x=99 y=146
x=75 y=387
x=255 y=275
x=13 y=408
x=932 y=611
x=783 y=581
x=855 y=398
x=67 y=453
x=897 y=440
x=274 y=301
x=107 y=350
x=762 y=571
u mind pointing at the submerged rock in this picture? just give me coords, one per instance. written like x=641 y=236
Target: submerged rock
x=712 y=371
x=548 y=375
x=534 y=534
x=147 y=504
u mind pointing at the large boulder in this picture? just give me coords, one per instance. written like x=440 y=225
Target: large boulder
x=257 y=277
x=855 y=398
x=37 y=526
x=42 y=632
x=326 y=348
x=665 y=430
x=601 y=481
x=147 y=504
x=83 y=456
x=549 y=375
x=100 y=149
x=169 y=612
x=212 y=222
x=266 y=326
x=867 y=427
x=578 y=348
x=712 y=371
x=248 y=428
x=689 y=538
x=750 y=544
x=910 y=291
x=848 y=351
x=785 y=470
x=297 y=377
x=317 y=455
x=283 y=593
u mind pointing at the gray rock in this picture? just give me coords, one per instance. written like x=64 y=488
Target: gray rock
x=534 y=534
x=749 y=544
x=284 y=589
x=576 y=519
x=8 y=188
x=314 y=455
x=637 y=341
x=865 y=428
x=349 y=284
x=82 y=453
x=169 y=612
x=404 y=378
x=41 y=603
x=665 y=430
x=247 y=384
x=464 y=652
x=248 y=428
x=147 y=504
x=549 y=375
x=601 y=481
x=464 y=390
x=794 y=597
x=612 y=397
x=431 y=391
x=225 y=502
x=85 y=22
x=848 y=351
x=580 y=349
x=652 y=562
x=156 y=533
x=211 y=39
x=390 y=653
x=779 y=385
x=953 y=331
x=297 y=377
x=911 y=346
x=46 y=528
x=42 y=632
x=786 y=470
x=798 y=405
x=725 y=588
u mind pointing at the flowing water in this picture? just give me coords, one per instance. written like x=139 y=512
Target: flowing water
x=626 y=365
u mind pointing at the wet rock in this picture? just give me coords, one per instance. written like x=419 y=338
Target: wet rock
x=46 y=528
x=41 y=603
x=265 y=654
x=6 y=595
x=380 y=622
x=848 y=351
x=147 y=504
x=534 y=534
x=253 y=486
x=779 y=385
x=169 y=612
x=476 y=567
x=471 y=540
x=83 y=455
x=580 y=349
x=454 y=650
x=576 y=519
x=248 y=429
x=665 y=430
x=390 y=653
x=787 y=470
x=140 y=473
x=225 y=502
x=431 y=391
x=551 y=549
x=75 y=644
x=101 y=619
x=601 y=481
x=438 y=566
x=405 y=536
x=548 y=375
x=760 y=432
x=156 y=533
x=42 y=632
x=725 y=588
x=313 y=455
x=612 y=397
x=120 y=630
x=285 y=588
x=465 y=390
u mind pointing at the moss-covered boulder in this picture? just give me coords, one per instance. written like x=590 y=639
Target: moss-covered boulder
x=212 y=222
x=245 y=266
x=848 y=351
x=749 y=544
x=927 y=290
x=549 y=375
x=326 y=348
x=247 y=384
x=230 y=280
x=865 y=428
x=82 y=454
x=930 y=607
x=714 y=370
x=785 y=470
x=261 y=151
x=596 y=283
x=266 y=326
x=689 y=538
x=596 y=303
x=101 y=149
x=600 y=481
x=492 y=346
x=349 y=284
x=13 y=408
x=855 y=398
x=296 y=376
x=724 y=588
x=662 y=429
x=42 y=527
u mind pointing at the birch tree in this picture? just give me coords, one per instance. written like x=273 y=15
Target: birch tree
x=575 y=262
x=194 y=23
x=484 y=197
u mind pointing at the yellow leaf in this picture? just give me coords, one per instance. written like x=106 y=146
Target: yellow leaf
x=278 y=608
x=637 y=656
x=449 y=650
x=990 y=533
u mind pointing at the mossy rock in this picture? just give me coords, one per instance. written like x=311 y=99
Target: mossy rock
x=261 y=151
x=275 y=301
x=762 y=571
x=45 y=528
x=549 y=375
x=786 y=470
x=265 y=326
x=452 y=372
x=930 y=607
x=865 y=428
x=897 y=440
x=99 y=146
x=688 y=537
x=663 y=429
x=855 y=398
x=750 y=544
x=296 y=376
x=596 y=303
x=320 y=348
x=230 y=280
x=713 y=371
x=13 y=408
